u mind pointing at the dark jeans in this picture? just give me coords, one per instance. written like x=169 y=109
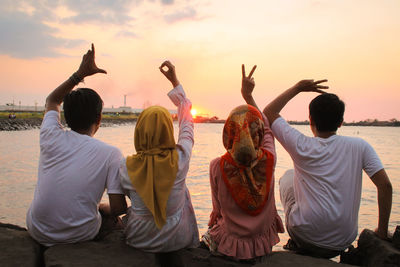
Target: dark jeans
x=304 y=248
x=108 y=224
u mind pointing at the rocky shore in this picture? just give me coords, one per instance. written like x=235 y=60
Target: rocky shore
x=19 y=124
x=19 y=249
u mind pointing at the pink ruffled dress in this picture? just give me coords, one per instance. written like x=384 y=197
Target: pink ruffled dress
x=238 y=234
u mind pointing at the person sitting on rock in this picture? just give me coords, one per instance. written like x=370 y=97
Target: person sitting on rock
x=321 y=196
x=244 y=223
x=161 y=217
x=74 y=167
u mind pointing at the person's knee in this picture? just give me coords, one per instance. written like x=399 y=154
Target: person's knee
x=286 y=191
x=286 y=179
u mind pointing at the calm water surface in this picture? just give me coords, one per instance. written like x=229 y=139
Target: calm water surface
x=19 y=156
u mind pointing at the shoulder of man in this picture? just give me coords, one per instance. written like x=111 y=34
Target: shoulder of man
x=111 y=149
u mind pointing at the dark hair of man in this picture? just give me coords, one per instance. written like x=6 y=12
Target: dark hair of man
x=326 y=110
x=82 y=108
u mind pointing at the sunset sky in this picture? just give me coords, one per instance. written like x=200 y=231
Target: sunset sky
x=354 y=44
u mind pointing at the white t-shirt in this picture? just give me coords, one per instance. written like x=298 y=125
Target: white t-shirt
x=74 y=170
x=327 y=184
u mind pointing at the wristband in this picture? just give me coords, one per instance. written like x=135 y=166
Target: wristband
x=75 y=78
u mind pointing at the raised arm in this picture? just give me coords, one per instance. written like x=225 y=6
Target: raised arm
x=88 y=67
x=248 y=86
x=178 y=97
x=385 y=190
x=273 y=109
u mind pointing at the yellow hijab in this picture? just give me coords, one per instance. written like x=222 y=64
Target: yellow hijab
x=153 y=169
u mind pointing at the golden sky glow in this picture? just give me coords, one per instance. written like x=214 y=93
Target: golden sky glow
x=353 y=44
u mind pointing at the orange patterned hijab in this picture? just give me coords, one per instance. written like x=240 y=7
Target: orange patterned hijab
x=246 y=168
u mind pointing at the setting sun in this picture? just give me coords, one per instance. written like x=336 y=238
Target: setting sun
x=194 y=112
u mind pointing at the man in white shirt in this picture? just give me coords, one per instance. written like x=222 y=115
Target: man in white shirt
x=74 y=167
x=321 y=196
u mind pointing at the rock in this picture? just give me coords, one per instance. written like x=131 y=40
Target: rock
x=19 y=124
x=286 y=259
x=396 y=237
x=352 y=256
x=18 y=248
x=373 y=251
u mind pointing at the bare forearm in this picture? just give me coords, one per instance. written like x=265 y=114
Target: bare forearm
x=385 y=191
x=117 y=204
x=273 y=109
x=105 y=209
x=55 y=98
x=250 y=100
x=385 y=206
x=175 y=83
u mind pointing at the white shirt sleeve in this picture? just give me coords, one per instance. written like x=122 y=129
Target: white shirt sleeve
x=51 y=119
x=50 y=131
x=185 y=137
x=113 y=181
x=124 y=178
x=371 y=162
x=286 y=135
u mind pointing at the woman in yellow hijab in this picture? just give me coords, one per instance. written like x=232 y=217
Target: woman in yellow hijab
x=161 y=217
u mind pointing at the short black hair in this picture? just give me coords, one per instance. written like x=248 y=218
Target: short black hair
x=327 y=110
x=82 y=108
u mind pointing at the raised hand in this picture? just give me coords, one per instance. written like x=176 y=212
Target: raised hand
x=247 y=82
x=310 y=86
x=248 y=86
x=88 y=65
x=169 y=73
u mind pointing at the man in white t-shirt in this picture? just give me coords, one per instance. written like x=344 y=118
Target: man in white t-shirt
x=74 y=168
x=321 y=196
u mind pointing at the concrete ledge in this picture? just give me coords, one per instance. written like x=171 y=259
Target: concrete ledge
x=18 y=248
x=97 y=254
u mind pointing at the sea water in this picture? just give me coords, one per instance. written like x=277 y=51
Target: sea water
x=19 y=157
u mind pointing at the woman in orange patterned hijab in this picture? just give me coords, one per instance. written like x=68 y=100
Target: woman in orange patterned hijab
x=244 y=223
x=246 y=167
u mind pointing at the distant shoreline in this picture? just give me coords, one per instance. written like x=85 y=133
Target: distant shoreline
x=33 y=121
x=20 y=124
x=376 y=123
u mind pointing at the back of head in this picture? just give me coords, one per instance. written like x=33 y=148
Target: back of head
x=327 y=110
x=243 y=133
x=154 y=129
x=82 y=108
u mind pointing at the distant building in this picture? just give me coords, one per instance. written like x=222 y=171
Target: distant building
x=126 y=109
x=18 y=108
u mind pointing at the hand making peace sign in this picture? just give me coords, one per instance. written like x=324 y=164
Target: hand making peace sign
x=247 y=81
